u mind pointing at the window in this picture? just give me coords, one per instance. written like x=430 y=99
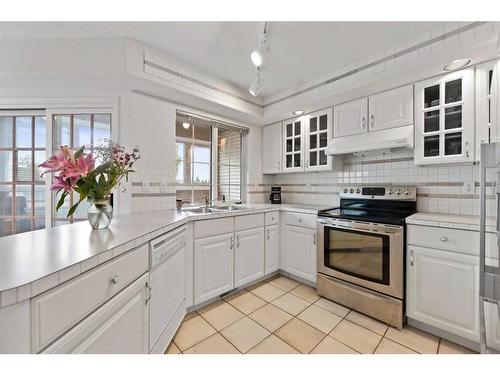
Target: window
x=22 y=191
x=208 y=164
x=76 y=130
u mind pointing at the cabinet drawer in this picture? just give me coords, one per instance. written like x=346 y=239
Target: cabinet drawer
x=248 y=221
x=213 y=227
x=272 y=218
x=56 y=311
x=455 y=240
x=300 y=220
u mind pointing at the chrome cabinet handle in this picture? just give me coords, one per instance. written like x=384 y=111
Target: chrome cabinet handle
x=412 y=259
x=444 y=239
x=237 y=241
x=232 y=243
x=314 y=238
x=363 y=122
x=114 y=279
x=268 y=234
x=372 y=121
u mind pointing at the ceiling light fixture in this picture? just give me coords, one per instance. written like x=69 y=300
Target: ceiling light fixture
x=185 y=125
x=299 y=112
x=256 y=87
x=457 y=64
x=258 y=55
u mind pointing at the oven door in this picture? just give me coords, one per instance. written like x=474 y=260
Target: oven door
x=365 y=254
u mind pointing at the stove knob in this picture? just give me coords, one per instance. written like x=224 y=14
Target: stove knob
x=345 y=190
x=391 y=191
x=406 y=192
x=398 y=192
x=351 y=191
x=358 y=191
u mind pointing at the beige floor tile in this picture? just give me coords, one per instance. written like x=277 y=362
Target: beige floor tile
x=446 y=347
x=306 y=293
x=387 y=346
x=190 y=316
x=273 y=345
x=255 y=286
x=209 y=307
x=222 y=316
x=333 y=307
x=367 y=322
x=268 y=292
x=291 y=304
x=247 y=302
x=215 y=344
x=284 y=283
x=245 y=334
x=300 y=335
x=415 y=339
x=235 y=295
x=172 y=349
x=356 y=337
x=332 y=346
x=192 y=332
x=321 y=319
x=270 y=317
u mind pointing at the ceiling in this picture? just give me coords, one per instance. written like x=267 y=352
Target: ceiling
x=300 y=51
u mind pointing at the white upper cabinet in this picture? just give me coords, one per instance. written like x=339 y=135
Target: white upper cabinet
x=444 y=119
x=293 y=145
x=304 y=142
x=485 y=88
x=271 y=148
x=318 y=132
x=350 y=118
x=391 y=109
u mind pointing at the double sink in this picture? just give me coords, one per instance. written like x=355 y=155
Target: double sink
x=213 y=209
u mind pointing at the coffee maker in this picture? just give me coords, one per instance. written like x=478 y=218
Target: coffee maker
x=275 y=196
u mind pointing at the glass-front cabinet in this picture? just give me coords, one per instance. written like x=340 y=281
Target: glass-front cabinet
x=305 y=140
x=444 y=119
x=485 y=105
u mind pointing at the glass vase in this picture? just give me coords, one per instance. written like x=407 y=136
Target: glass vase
x=100 y=212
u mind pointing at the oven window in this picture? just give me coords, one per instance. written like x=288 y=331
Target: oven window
x=359 y=254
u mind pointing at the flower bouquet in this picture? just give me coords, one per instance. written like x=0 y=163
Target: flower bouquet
x=76 y=171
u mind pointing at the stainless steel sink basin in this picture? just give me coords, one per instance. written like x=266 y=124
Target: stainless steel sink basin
x=197 y=210
x=227 y=208
x=206 y=210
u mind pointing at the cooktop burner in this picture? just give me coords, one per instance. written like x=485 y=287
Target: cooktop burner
x=388 y=205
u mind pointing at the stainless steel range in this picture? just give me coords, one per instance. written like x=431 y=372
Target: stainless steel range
x=361 y=250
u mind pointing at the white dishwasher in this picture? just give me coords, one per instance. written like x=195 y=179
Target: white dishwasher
x=168 y=287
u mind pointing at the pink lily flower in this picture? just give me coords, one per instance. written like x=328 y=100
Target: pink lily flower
x=81 y=167
x=55 y=163
x=63 y=183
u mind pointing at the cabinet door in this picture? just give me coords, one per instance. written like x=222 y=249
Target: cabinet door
x=299 y=247
x=391 y=109
x=272 y=148
x=293 y=145
x=444 y=119
x=443 y=290
x=318 y=133
x=492 y=325
x=485 y=105
x=272 y=249
x=213 y=266
x=350 y=118
x=118 y=327
x=249 y=256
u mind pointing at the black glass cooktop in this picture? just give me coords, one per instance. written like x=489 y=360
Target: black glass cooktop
x=387 y=212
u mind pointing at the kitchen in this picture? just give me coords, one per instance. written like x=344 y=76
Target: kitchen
x=341 y=212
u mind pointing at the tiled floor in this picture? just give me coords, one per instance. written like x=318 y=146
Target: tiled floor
x=282 y=316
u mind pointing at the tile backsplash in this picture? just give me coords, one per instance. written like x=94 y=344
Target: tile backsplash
x=440 y=189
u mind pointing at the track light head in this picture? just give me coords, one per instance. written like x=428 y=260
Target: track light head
x=256 y=87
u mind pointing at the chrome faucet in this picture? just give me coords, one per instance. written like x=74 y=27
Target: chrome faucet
x=208 y=203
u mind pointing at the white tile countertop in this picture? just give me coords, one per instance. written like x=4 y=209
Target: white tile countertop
x=33 y=262
x=467 y=222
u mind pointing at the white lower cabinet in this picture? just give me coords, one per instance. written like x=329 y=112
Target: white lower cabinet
x=120 y=326
x=213 y=266
x=443 y=290
x=272 y=249
x=492 y=320
x=249 y=256
x=299 y=251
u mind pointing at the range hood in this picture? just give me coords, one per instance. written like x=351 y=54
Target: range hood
x=377 y=140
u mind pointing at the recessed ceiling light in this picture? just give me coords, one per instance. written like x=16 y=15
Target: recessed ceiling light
x=457 y=64
x=185 y=125
x=299 y=112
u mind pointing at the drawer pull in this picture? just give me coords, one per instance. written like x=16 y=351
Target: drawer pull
x=444 y=239
x=114 y=279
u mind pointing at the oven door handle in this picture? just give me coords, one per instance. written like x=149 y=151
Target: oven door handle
x=389 y=231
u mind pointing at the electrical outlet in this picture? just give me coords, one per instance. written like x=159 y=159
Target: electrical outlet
x=145 y=187
x=468 y=187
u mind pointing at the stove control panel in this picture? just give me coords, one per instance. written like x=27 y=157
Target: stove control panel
x=379 y=192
